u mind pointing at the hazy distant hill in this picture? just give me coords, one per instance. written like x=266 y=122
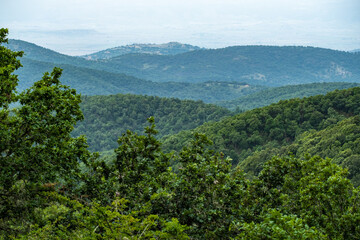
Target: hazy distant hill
x=273 y=95
x=170 y=48
x=256 y=65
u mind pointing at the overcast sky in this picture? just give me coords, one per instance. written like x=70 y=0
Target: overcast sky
x=83 y=26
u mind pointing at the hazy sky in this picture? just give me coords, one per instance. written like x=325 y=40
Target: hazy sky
x=83 y=26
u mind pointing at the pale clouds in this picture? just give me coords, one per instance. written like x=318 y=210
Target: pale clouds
x=81 y=26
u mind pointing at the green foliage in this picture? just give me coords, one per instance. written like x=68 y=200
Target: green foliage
x=315 y=190
x=207 y=192
x=292 y=198
x=204 y=194
x=278 y=226
x=36 y=147
x=107 y=117
x=69 y=219
x=140 y=166
x=8 y=65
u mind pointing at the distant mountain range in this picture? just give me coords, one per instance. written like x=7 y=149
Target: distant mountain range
x=171 y=48
x=206 y=74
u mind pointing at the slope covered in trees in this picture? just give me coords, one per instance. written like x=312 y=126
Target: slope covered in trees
x=277 y=125
x=107 y=117
x=274 y=95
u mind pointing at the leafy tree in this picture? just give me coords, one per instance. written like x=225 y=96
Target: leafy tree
x=141 y=167
x=70 y=219
x=314 y=190
x=204 y=193
x=36 y=147
x=278 y=226
x=207 y=192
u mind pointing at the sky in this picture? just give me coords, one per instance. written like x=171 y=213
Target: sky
x=77 y=27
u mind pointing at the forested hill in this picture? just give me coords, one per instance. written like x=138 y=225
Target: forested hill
x=108 y=117
x=256 y=65
x=277 y=125
x=340 y=142
x=170 y=48
x=273 y=95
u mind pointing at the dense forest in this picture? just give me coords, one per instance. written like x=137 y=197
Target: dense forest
x=53 y=187
x=274 y=126
x=107 y=117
